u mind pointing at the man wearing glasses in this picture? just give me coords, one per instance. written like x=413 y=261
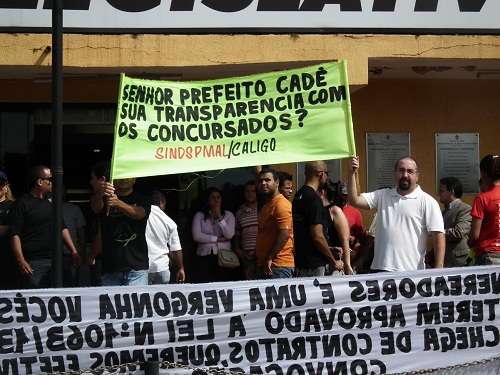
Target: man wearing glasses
x=406 y=215
x=312 y=252
x=31 y=229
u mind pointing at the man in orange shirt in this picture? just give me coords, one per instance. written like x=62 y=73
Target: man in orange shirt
x=274 y=251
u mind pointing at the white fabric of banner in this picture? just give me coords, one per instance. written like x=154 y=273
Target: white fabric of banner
x=364 y=324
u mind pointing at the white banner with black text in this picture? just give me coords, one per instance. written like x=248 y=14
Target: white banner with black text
x=365 y=324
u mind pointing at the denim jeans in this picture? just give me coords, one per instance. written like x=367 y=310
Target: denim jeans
x=281 y=272
x=71 y=277
x=41 y=277
x=132 y=277
x=277 y=273
x=310 y=272
x=162 y=277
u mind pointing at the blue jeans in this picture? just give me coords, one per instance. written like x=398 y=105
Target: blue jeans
x=277 y=273
x=162 y=277
x=132 y=277
x=41 y=278
x=281 y=272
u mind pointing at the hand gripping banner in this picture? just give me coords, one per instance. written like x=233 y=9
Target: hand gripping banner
x=166 y=127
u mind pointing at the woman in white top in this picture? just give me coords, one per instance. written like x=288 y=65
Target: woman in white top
x=212 y=229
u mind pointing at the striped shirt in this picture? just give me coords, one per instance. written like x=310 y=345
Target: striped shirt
x=246 y=228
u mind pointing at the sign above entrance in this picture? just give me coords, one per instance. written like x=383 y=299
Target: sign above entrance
x=371 y=16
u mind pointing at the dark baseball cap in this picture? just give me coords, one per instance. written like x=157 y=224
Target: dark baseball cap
x=3 y=177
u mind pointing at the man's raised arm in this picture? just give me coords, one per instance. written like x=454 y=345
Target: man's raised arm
x=355 y=200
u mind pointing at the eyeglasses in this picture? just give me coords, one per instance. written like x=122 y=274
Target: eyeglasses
x=409 y=171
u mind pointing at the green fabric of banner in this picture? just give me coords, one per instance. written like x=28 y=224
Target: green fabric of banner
x=167 y=127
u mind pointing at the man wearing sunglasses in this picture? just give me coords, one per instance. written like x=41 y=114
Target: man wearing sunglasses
x=32 y=223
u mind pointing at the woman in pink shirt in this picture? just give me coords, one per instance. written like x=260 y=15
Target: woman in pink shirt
x=212 y=228
x=485 y=230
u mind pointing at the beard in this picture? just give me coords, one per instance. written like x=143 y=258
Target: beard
x=265 y=193
x=404 y=184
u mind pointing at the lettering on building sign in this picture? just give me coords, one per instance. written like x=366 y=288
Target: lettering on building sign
x=228 y=6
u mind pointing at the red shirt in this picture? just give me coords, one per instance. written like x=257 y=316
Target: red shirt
x=355 y=221
x=486 y=207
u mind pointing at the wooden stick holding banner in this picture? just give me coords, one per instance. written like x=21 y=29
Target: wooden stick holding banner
x=117 y=124
x=106 y=197
x=108 y=208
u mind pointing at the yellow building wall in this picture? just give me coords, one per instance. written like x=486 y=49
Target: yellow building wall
x=423 y=108
x=116 y=53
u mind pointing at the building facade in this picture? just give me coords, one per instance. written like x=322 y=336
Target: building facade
x=420 y=67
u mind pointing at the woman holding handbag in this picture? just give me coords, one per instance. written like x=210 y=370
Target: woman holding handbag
x=212 y=228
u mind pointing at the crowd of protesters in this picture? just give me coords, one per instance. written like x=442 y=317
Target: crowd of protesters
x=319 y=231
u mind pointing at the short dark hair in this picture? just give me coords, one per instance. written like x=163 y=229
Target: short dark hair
x=403 y=158
x=453 y=185
x=101 y=169
x=272 y=171
x=34 y=173
x=284 y=176
x=490 y=165
x=157 y=197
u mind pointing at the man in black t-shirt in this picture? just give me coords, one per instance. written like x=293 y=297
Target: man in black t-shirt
x=31 y=228
x=122 y=231
x=312 y=252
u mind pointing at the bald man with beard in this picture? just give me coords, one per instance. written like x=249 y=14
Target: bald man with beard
x=406 y=216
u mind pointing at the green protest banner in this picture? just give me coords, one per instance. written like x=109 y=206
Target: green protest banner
x=167 y=127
